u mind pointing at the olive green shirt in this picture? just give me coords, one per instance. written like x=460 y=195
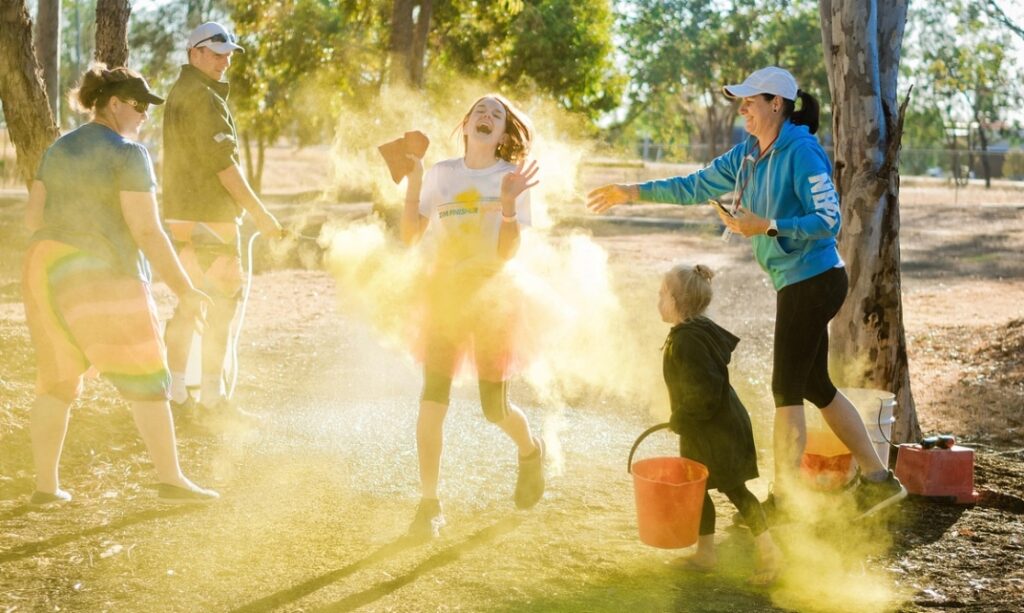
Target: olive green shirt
x=200 y=141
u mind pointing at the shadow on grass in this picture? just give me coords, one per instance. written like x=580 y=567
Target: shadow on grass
x=439 y=559
x=920 y=522
x=650 y=584
x=354 y=601
x=31 y=549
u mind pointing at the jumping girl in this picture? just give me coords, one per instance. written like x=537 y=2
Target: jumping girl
x=712 y=424
x=474 y=206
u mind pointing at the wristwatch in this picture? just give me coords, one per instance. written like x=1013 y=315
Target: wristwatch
x=773 y=228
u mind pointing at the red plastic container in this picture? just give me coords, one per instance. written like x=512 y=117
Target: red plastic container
x=669 y=495
x=942 y=474
x=826 y=473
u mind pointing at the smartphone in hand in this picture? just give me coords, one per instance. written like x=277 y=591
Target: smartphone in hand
x=721 y=207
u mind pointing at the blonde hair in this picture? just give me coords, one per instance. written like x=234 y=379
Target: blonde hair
x=690 y=288
x=517 y=129
x=94 y=90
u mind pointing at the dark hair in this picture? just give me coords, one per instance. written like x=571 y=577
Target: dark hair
x=517 y=128
x=809 y=113
x=95 y=87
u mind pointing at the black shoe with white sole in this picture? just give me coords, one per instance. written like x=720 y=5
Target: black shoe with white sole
x=173 y=494
x=428 y=521
x=530 y=480
x=46 y=499
x=874 y=496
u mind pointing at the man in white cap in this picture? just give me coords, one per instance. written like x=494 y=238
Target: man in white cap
x=205 y=196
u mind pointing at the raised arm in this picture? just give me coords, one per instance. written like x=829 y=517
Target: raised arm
x=513 y=185
x=413 y=222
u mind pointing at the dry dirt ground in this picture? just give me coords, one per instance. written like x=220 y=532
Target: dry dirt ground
x=316 y=498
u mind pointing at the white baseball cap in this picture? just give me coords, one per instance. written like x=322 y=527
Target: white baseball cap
x=213 y=36
x=771 y=80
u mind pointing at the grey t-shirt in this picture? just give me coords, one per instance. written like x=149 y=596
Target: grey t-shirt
x=85 y=172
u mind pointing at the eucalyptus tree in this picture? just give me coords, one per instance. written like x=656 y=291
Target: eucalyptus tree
x=863 y=42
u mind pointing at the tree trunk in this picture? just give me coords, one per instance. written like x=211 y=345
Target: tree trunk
x=410 y=25
x=862 y=41
x=112 y=32
x=47 y=43
x=419 y=43
x=26 y=110
x=983 y=143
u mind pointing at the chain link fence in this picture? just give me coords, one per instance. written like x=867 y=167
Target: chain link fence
x=956 y=166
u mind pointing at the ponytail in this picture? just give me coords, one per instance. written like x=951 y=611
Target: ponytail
x=94 y=89
x=809 y=113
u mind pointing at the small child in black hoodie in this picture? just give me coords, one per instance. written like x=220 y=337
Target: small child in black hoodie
x=712 y=424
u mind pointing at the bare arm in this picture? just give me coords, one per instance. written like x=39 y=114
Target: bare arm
x=512 y=185
x=413 y=222
x=140 y=213
x=36 y=203
x=233 y=181
x=508 y=235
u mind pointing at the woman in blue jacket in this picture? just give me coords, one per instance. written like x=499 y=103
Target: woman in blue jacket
x=786 y=203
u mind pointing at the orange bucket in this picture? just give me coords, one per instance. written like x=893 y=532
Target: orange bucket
x=669 y=495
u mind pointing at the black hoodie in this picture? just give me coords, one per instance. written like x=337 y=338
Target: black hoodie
x=712 y=424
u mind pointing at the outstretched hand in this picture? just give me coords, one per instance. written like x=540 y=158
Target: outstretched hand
x=519 y=180
x=605 y=197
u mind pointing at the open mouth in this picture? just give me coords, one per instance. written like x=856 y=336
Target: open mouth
x=483 y=129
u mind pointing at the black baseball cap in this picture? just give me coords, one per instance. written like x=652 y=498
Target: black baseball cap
x=135 y=88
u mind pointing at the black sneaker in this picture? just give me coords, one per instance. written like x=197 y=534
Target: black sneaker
x=530 y=481
x=428 y=521
x=873 y=496
x=773 y=515
x=173 y=494
x=44 y=499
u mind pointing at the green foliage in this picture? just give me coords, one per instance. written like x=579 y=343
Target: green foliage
x=565 y=48
x=560 y=49
x=963 y=63
x=680 y=52
x=301 y=58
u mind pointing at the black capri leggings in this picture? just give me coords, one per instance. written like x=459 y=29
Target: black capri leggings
x=800 y=365
x=745 y=502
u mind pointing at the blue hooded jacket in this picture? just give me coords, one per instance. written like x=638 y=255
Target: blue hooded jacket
x=792 y=184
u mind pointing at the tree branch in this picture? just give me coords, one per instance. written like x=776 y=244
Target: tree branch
x=892 y=150
x=995 y=11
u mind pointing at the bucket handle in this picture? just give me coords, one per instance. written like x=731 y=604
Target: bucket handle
x=640 y=439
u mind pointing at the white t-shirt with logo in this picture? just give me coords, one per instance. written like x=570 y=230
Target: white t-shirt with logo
x=464 y=208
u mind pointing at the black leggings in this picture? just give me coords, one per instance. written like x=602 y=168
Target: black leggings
x=800 y=365
x=747 y=504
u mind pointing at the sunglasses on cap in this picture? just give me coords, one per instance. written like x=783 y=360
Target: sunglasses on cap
x=219 y=37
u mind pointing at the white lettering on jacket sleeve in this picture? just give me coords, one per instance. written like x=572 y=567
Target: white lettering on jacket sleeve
x=826 y=202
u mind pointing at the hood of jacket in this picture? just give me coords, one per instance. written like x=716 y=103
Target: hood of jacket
x=719 y=341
